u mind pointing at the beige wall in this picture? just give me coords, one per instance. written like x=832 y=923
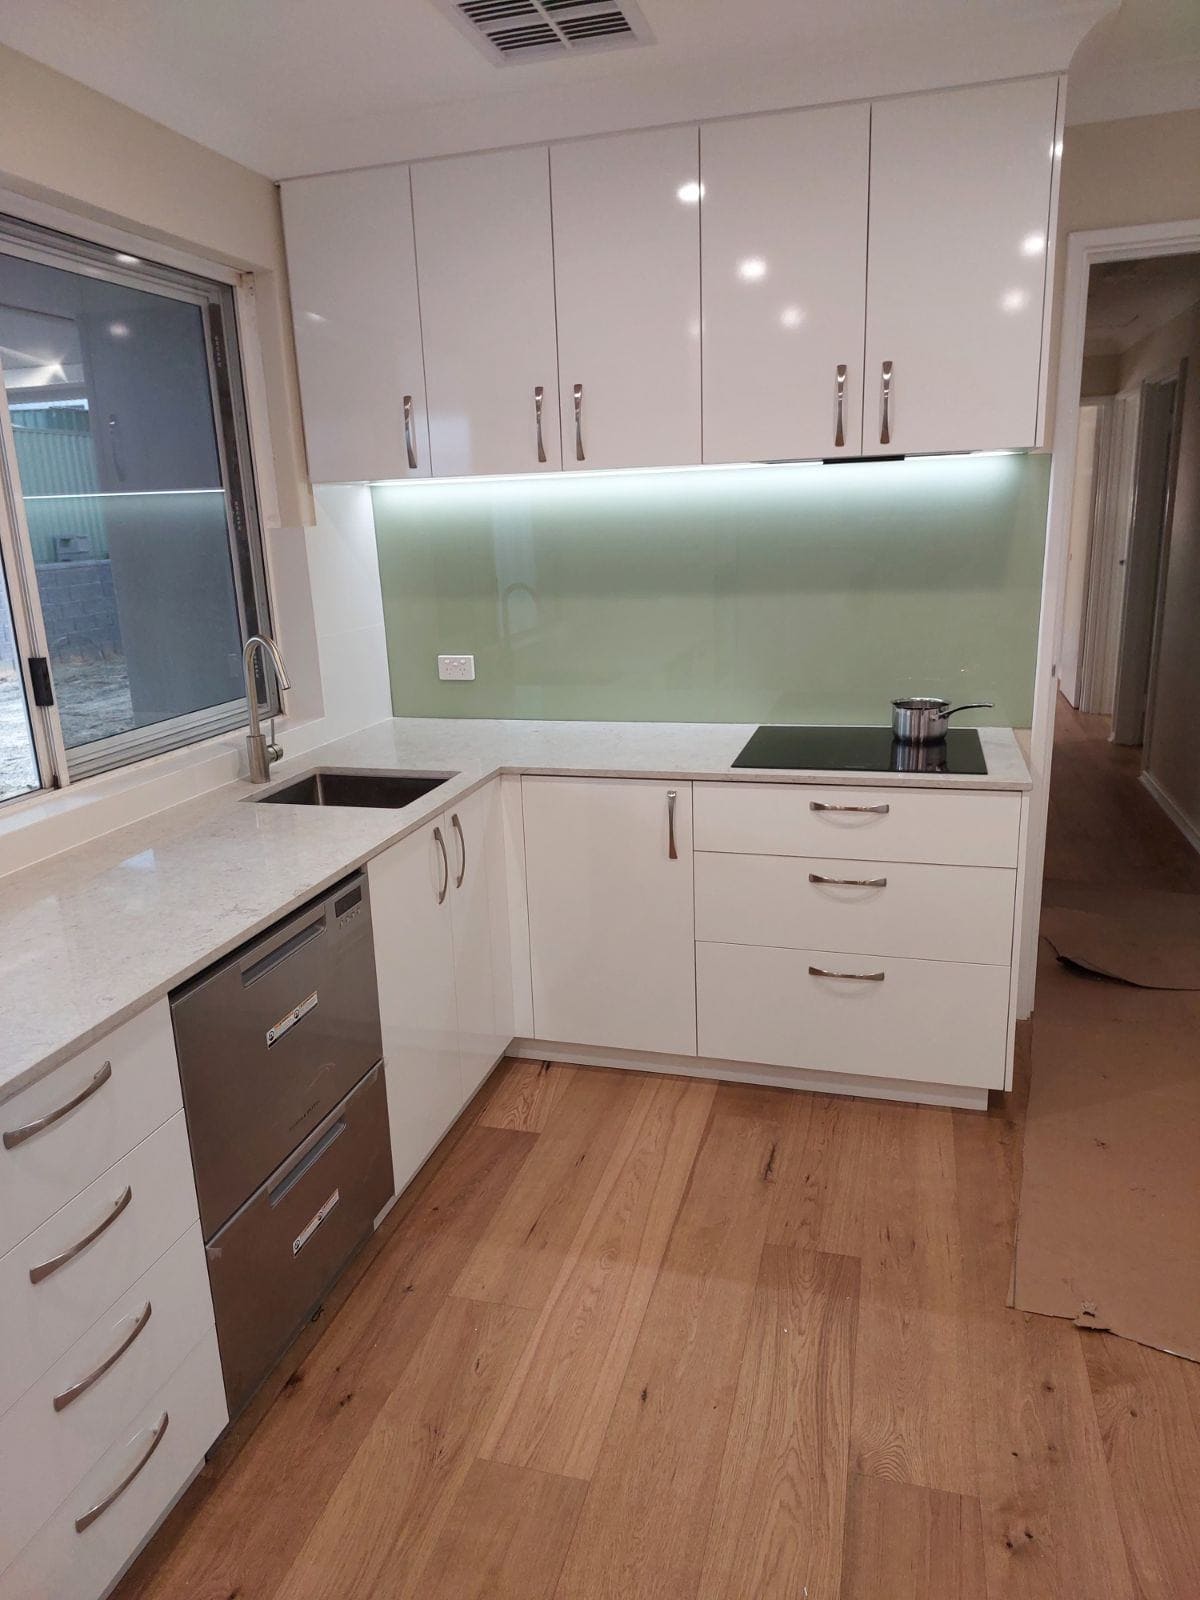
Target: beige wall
x=65 y=144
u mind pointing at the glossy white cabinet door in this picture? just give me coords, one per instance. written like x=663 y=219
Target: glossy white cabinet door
x=353 y=277
x=414 y=962
x=611 y=919
x=627 y=280
x=486 y=269
x=960 y=214
x=784 y=257
x=479 y=917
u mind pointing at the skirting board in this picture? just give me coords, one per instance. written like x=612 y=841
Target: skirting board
x=1181 y=821
x=926 y=1094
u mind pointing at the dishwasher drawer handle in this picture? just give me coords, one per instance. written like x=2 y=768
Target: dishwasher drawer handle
x=823 y=805
x=857 y=977
x=848 y=883
x=101 y=1506
x=306 y=1162
x=39 y=1273
x=63 y=1400
x=289 y=947
x=15 y=1136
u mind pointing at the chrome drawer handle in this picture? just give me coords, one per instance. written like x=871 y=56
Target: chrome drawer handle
x=858 y=977
x=38 y=1273
x=879 y=811
x=849 y=883
x=539 y=395
x=578 y=396
x=16 y=1136
x=839 y=432
x=441 y=844
x=63 y=1400
x=885 y=427
x=672 y=852
x=409 y=442
x=462 y=850
x=156 y=1437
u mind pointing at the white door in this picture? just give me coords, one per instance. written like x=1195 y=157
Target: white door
x=627 y=279
x=485 y=263
x=784 y=260
x=414 y=962
x=611 y=918
x=479 y=916
x=956 y=275
x=353 y=277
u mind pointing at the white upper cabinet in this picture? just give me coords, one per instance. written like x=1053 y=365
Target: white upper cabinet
x=627 y=276
x=784 y=258
x=961 y=186
x=485 y=263
x=353 y=281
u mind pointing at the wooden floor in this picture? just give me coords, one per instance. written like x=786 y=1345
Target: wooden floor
x=641 y=1338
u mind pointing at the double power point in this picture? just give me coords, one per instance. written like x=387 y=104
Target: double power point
x=456 y=669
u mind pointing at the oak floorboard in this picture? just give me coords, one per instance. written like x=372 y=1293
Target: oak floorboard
x=1148 y=1407
x=506 y=1536
x=643 y=1529
x=555 y=1411
x=390 y=1506
x=237 y=1529
x=904 y=1542
x=525 y=1095
x=518 y=1258
x=821 y=1167
x=781 y=1498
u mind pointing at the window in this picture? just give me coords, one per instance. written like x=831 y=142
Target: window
x=132 y=562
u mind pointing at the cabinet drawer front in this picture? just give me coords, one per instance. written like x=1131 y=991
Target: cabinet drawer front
x=39 y=1321
x=881 y=907
x=70 y=1565
x=925 y=1021
x=134 y=1084
x=45 y=1451
x=779 y=819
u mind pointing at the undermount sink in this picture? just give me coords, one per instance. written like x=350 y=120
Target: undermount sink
x=329 y=787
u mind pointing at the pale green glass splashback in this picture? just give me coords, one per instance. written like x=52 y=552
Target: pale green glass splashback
x=771 y=594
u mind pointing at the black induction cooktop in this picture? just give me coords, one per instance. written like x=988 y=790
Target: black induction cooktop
x=800 y=749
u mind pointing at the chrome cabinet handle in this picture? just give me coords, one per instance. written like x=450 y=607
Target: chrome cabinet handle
x=63 y=1400
x=672 y=852
x=16 y=1136
x=821 y=805
x=441 y=844
x=410 y=444
x=839 y=432
x=539 y=395
x=857 y=977
x=462 y=850
x=885 y=427
x=849 y=883
x=578 y=393
x=156 y=1437
x=38 y=1273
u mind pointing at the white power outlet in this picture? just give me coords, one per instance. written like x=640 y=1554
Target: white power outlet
x=456 y=669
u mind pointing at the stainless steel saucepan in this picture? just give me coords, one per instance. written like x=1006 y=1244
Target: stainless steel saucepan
x=924 y=719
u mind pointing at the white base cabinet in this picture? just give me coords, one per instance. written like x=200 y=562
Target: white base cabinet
x=479 y=921
x=611 y=917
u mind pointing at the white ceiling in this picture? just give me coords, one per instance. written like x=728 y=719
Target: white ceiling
x=1129 y=299
x=294 y=86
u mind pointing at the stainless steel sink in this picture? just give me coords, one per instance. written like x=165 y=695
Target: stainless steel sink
x=330 y=787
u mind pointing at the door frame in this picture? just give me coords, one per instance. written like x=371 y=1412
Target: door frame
x=1084 y=250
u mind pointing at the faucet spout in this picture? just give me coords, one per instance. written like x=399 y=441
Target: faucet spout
x=261 y=753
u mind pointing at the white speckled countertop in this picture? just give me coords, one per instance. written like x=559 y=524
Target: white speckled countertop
x=92 y=936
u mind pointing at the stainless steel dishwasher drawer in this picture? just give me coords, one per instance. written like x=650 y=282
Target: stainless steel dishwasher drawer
x=271 y=1262
x=271 y=1039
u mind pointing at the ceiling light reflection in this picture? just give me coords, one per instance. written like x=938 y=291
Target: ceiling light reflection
x=753 y=269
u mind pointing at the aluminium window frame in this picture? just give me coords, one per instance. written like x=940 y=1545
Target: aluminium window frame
x=42 y=237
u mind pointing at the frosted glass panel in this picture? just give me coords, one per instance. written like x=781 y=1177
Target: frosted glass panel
x=789 y=593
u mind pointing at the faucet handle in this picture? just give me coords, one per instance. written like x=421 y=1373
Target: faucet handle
x=274 y=751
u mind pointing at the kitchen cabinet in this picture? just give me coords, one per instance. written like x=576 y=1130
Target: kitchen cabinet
x=479 y=922
x=485 y=266
x=414 y=963
x=611 y=917
x=627 y=282
x=784 y=257
x=961 y=190
x=353 y=275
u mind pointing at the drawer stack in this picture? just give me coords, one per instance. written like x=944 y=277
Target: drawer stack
x=110 y=1384
x=856 y=930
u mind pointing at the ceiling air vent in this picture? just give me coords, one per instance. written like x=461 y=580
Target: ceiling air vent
x=539 y=30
